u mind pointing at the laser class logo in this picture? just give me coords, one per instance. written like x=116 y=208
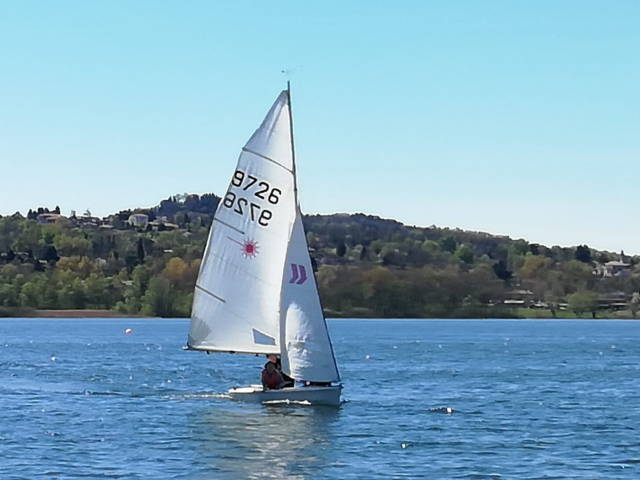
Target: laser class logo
x=250 y=248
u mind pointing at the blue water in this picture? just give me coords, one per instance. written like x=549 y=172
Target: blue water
x=531 y=399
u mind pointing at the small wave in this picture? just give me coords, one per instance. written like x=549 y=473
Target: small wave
x=531 y=442
x=287 y=402
x=205 y=395
x=106 y=394
x=358 y=435
x=482 y=475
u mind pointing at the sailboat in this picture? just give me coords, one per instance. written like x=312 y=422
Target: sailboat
x=256 y=291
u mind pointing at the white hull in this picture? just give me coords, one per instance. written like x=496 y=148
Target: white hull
x=313 y=395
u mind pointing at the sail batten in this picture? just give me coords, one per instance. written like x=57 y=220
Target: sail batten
x=267 y=158
x=229 y=226
x=210 y=293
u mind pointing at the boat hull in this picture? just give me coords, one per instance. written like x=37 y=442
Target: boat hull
x=312 y=394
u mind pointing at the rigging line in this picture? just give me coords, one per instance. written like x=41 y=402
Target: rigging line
x=230 y=226
x=245 y=149
x=211 y=294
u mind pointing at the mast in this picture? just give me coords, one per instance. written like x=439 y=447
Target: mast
x=293 y=150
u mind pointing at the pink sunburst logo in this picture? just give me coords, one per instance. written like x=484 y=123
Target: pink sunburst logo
x=250 y=248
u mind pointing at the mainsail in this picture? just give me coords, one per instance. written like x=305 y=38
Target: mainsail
x=256 y=291
x=236 y=305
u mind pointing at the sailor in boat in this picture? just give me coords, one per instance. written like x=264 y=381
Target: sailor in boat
x=271 y=378
x=288 y=381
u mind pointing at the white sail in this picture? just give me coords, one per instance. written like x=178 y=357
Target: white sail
x=236 y=305
x=307 y=353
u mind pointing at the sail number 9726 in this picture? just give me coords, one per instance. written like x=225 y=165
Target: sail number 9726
x=259 y=189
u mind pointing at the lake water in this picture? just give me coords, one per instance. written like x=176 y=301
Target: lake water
x=532 y=399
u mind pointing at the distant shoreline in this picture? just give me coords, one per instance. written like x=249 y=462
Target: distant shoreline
x=518 y=315
x=89 y=313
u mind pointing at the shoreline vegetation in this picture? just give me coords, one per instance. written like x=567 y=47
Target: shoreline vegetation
x=70 y=313
x=518 y=314
x=144 y=263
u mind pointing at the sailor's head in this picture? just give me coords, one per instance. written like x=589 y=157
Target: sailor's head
x=272 y=358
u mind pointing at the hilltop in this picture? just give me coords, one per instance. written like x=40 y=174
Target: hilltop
x=145 y=261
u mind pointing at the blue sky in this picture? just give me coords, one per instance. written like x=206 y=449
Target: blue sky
x=517 y=118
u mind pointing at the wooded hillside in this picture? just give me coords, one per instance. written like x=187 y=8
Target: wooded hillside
x=145 y=261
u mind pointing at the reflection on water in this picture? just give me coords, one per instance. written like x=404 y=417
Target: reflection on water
x=258 y=442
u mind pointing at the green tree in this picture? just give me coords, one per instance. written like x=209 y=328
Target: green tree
x=634 y=304
x=583 y=301
x=159 y=298
x=583 y=254
x=501 y=271
x=32 y=291
x=576 y=276
x=464 y=253
x=9 y=295
x=448 y=244
x=140 y=251
x=68 y=245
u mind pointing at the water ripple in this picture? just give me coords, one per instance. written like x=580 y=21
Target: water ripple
x=435 y=399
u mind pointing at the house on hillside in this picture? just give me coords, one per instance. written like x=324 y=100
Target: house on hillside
x=87 y=221
x=162 y=223
x=50 y=218
x=138 y=220
x=614 y=268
